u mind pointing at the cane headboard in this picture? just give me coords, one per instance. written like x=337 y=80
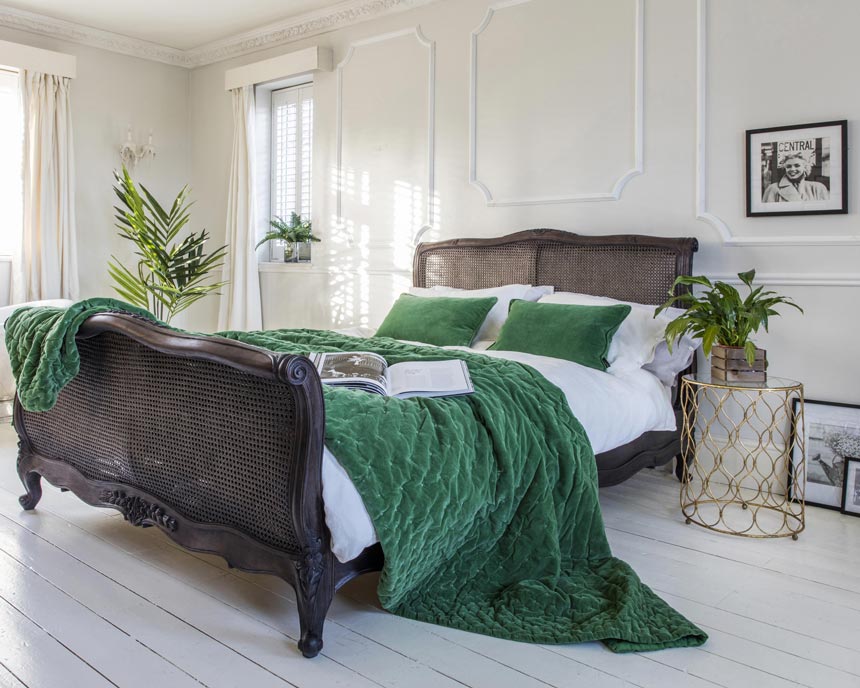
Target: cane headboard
x=627 y=267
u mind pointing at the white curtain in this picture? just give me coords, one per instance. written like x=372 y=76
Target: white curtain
x=47 y=264
x=241 y=308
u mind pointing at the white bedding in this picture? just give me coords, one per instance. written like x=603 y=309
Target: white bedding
x=613 y=409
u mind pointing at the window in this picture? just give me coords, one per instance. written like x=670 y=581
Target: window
x=11 y=140
x=292 y=145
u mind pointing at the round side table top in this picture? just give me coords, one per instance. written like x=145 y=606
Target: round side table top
x=773 y=382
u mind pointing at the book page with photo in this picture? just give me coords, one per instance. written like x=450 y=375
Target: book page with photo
x=370 y=372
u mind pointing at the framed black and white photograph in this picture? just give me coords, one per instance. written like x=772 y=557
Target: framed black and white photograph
x=798 y=170
x=831 y=436
x=851 y=488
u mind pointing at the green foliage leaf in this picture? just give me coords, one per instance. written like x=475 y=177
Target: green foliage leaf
x=749 y=351
x=747 y=277
x=172 y=273
x=709 y=338
x=690 y=281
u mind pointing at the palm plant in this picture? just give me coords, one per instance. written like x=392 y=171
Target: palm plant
x=720 y=315
x=293 y=232
x=171 y=274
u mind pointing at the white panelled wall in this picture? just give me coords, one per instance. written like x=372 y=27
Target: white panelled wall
x=472 y=118
x=540 y=113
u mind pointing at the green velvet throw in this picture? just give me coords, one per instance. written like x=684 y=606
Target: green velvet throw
x=485 y=505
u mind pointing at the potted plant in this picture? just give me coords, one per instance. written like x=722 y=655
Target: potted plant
x=297 y=235
x=170 y=274
x=725 y=321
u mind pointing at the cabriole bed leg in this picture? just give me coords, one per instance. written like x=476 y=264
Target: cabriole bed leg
x=313 y=598
x=33 y=482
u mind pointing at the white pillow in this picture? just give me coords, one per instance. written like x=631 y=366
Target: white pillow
x=666 y=366
x=499 y=313
x=635 y=342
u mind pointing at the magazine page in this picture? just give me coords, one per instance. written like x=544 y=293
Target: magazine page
x=429 y=379
x=356 y=369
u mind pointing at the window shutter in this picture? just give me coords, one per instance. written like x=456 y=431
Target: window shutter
x=292 y=151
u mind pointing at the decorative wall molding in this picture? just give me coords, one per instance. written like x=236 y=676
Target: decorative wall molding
x=798 y=279
x=296 y=268
x=286 y=31
x=283 y=268
x=638 y=118
x=431 y=121
x=702 y=212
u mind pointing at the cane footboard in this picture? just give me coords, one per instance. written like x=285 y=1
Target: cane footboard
x=217 y=443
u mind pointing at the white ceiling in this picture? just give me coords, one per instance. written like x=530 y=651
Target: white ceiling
x=182 y=24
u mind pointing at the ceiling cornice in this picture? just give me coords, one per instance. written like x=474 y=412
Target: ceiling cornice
x=269 y=36
x=86 y=35
x=298 y=27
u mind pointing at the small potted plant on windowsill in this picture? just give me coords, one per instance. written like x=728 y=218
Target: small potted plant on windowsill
x=725 y=321
x=297 y=235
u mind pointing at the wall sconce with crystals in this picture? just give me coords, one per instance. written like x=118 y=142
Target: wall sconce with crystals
x=131 y=153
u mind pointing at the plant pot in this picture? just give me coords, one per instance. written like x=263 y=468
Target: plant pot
x=303 y=252
x=729 y=364
x=297 y=252
x=291 y=252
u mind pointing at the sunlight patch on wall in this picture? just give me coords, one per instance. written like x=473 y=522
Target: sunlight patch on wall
x=409 y=216
x=349 y=286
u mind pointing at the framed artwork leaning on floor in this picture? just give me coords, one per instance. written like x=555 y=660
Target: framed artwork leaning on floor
x=832 y=436
x=851 y=487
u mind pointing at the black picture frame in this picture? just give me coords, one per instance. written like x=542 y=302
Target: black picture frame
x=851 y=485
x=824 y=497
x=815 y=143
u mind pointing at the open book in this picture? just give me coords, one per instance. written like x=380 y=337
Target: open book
x=370 y=372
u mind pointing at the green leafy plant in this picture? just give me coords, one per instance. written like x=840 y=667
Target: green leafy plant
x=171 y=273
x=720 y=315
x=295 y=231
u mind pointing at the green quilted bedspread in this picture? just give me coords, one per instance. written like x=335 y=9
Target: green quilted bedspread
x=485 y=505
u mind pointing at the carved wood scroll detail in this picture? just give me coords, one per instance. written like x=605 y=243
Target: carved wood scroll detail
x=138 y=511
x=310 y=569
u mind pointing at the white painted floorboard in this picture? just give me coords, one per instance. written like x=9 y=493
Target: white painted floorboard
x=87 y=600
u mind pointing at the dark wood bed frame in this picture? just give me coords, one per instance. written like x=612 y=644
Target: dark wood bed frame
x=219 y=444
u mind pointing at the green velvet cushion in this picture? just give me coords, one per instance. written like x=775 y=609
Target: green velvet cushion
x=438 y=320
x=581 y=334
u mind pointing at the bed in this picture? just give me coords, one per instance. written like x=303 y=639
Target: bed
x=150 y=427
x=634 y=268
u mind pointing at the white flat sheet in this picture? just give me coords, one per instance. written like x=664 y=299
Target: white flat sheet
x=613 y=409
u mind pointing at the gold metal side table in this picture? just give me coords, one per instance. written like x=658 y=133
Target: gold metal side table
x=738 y=441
